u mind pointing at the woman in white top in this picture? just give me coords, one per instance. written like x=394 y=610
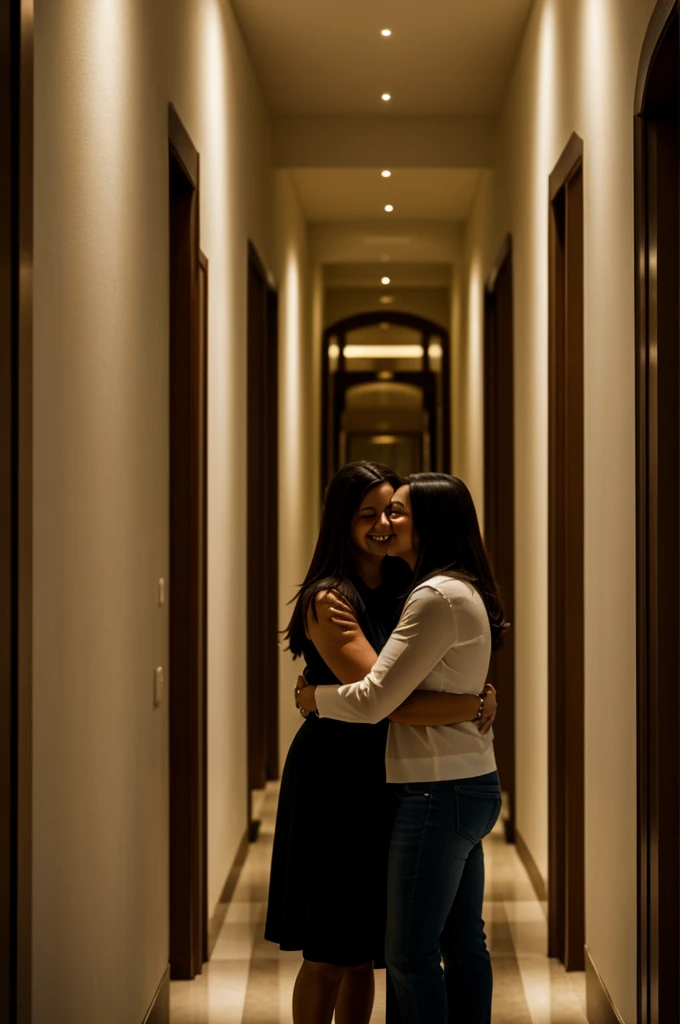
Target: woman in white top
x=444 y=777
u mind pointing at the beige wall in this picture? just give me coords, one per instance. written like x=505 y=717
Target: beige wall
x=576 y=72
x=104 y=76
x=298 y=430
x=432 y=303
x=372 y=241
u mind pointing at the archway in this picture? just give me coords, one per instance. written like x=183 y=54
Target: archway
x=383 y=353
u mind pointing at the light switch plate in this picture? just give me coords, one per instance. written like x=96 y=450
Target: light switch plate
x=158 y=686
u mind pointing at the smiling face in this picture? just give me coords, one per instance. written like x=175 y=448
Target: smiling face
x=371 y=530
x=404 y=542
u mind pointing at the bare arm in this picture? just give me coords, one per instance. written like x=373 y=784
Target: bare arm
x=338 y=638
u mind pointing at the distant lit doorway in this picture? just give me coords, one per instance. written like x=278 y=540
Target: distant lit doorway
x=657 y=261
x=386 y=393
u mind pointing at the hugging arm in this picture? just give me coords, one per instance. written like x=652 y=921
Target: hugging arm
x=338 y=638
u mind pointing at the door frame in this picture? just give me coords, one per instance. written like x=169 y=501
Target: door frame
x=658 y=772
x=263 y=530
x=16 y=538
x=499 y=511
x=566 y=828
x=188 y=612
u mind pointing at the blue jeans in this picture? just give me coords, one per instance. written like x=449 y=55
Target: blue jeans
x=435 y=888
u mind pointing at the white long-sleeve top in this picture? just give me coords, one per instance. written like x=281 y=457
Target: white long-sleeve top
x=442 y=642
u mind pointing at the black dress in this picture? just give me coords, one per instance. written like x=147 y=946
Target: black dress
x=329 y=863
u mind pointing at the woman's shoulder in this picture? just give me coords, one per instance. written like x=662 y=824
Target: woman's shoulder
x=452 y=588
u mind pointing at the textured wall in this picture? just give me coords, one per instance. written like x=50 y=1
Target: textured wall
x=104 y=75
x=576 y=71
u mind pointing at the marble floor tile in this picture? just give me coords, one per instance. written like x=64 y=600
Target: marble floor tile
x=250 y=981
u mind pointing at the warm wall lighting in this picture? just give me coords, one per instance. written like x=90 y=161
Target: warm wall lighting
x=386 y=32
x=386 y=97
x=333 y=351
x=435 y=351
x=383 y=352
x=387 y=300
x=389 y=208
x=386 y=174
x=385 y=280
x=384 y=439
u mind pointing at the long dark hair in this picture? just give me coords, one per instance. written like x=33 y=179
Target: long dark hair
x=445 y=521
x=332 y=565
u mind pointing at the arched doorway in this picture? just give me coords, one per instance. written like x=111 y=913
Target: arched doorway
x=657 y=186
x=386 y=393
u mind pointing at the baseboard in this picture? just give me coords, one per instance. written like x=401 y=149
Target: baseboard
x=217 y=919
x=531 y=867
x=159 y=1011
x=600 y=1007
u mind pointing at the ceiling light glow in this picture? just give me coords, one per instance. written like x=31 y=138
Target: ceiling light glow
x=386 y=32
x=383 y=351
x=386 y=174
x=386 y=97
x=389 y=208
x=385 y=280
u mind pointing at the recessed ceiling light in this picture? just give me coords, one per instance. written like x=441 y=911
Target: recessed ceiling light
x=389 y=208
x=385 y=280
x=386 y=174
x=386 y=32
x=386 y=96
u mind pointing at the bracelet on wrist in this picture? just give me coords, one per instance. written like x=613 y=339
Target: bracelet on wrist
x=480 y=710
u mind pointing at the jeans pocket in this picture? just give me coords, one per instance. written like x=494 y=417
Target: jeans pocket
x=478 y=809
x=416 y=789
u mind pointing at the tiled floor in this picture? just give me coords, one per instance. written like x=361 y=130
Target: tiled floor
x=249 y=981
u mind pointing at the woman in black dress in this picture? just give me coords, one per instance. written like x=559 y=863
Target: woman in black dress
x=334 y=815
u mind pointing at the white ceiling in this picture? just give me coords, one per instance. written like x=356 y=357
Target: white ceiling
x=328 y=57
x=357 y=194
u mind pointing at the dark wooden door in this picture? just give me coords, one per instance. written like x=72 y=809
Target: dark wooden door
x=657 y=155
x=499 y=504
x=16 y=306
x=262 y=582
x=566 y=858
x=188 y=483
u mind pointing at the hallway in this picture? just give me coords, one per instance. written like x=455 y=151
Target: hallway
x=248 y=243
x=249 y=981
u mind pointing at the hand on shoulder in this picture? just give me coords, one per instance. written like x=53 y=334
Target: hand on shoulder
x=332 y=612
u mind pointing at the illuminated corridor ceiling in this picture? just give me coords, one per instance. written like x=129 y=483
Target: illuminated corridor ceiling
x=323 y=66
x=444 y=57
